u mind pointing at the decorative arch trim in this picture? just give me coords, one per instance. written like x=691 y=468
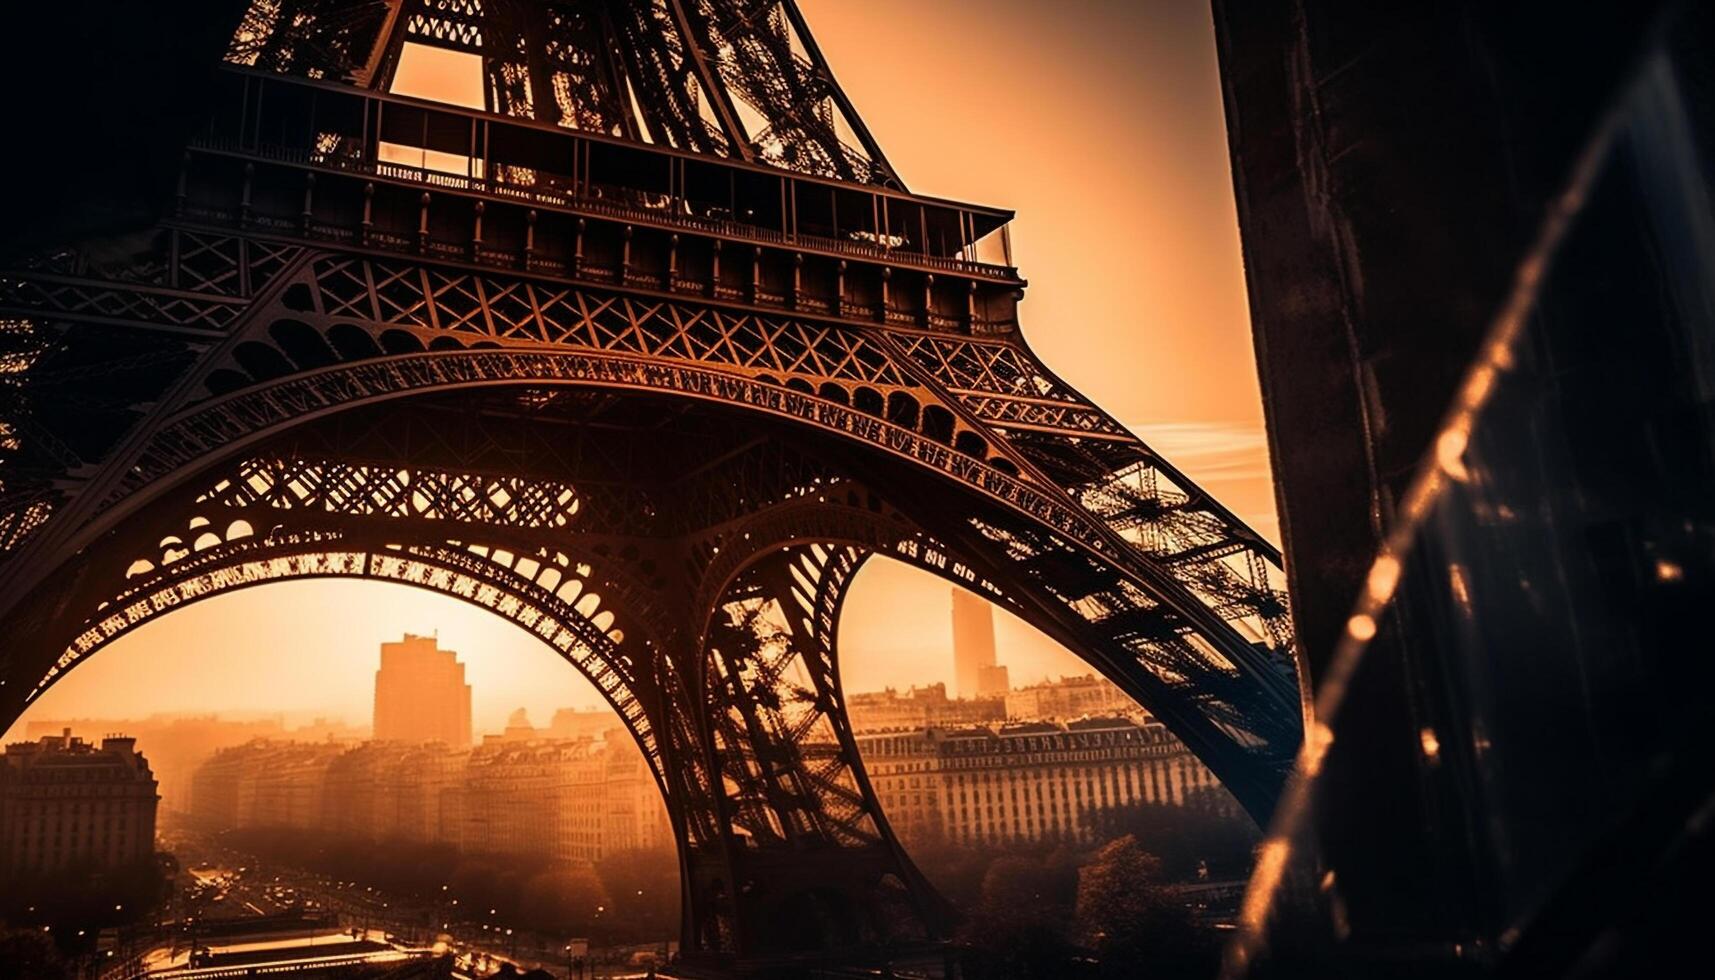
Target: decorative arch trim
x=487 y=578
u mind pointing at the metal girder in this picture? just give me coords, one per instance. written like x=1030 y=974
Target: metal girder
x=318 y=38
x=706 y=424
x=671 y=71
x=794 y=788
x=1145 y=537
x=207 y=558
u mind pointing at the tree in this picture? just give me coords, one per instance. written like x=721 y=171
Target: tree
x=1016 y=883
x=1129 y=918
x=956 y=871
x=476 y=882
x=644 y=886
x=1184 y=836
x=562 y=899
x=1019 y=927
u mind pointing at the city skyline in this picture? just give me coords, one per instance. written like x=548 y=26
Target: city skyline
x=505 y=676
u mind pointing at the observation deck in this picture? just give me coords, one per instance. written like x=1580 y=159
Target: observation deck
x=309 y=159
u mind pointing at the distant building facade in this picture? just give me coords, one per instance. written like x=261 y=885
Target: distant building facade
x=1027 y=782
x=425 y=781
x=67 y=803
x=516 y=794
x=580 y=805
x=1069 y=698
x=560 y=800
x=634 y=817
x=518 y=729
x=223 y=788
x=421 y=694
x=177 y=743
x=974 y=669
x=291 y=782
x=920 y=707
x=360 y=798
x=571 y=723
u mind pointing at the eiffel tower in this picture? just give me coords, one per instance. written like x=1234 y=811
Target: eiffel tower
x=648 y=356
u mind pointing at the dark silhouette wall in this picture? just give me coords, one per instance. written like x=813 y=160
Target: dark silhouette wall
x=1394 y=164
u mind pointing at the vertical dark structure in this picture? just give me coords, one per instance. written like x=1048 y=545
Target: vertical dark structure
x=1478 y=241
x=974 y=667
x=646 y=356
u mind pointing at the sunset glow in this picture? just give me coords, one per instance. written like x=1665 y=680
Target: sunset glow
x=1151 y=324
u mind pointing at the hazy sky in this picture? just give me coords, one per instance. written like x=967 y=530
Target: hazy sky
x=1100 y=122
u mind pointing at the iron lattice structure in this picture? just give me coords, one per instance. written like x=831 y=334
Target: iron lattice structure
x=647 y=356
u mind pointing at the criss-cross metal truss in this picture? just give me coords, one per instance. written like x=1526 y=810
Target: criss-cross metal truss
x=734 y=79
x=647 y=359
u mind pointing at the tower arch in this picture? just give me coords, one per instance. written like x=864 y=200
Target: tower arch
x=733 y=338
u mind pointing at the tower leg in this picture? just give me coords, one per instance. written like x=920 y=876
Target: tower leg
x=806 y=863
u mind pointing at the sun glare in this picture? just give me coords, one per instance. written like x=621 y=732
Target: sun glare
x=439 y=75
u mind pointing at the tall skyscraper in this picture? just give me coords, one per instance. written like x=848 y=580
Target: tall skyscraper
x=974 y=669
x=421 y=694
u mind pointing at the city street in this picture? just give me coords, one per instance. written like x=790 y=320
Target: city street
x=234 y=886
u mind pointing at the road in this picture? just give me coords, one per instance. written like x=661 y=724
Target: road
x=237 y=885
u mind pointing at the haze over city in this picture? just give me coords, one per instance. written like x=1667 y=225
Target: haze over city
x=299 y=663
x=526 y=489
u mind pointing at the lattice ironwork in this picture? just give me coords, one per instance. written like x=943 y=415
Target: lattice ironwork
x=766 y=60
x=722 y=77
x=546 y=593
x=771 y=694
x=787 y=761
x=660 y=438
x=338 y=487
x=509 y=309
x=315 y=38
x=102 y=302
x=1187 y=570
x=194 y=281
x=585 y=90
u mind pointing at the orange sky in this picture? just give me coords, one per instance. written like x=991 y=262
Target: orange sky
x=1100 y=122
